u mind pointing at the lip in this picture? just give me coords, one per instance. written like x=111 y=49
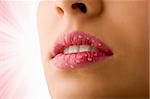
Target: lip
x=78 y=59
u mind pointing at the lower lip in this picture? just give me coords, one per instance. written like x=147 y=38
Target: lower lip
x=79 y=59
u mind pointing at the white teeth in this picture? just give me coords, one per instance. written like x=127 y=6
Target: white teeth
x=66 y=50
x=84 y=48
x=93 y=49
x=81 y=48
x=73 y=49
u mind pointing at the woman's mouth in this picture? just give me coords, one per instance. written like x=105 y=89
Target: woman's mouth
x=78 y=49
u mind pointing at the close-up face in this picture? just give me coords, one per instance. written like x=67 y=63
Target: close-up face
x=94 y=49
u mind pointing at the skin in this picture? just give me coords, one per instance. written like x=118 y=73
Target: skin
x=122 y=25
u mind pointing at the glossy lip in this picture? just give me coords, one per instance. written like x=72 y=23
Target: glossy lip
x=78 y=59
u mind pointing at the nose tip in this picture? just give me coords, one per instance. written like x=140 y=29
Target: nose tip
x=79 y=7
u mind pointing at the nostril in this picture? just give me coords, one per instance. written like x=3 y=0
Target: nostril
x=60 y=10
x=80 y=6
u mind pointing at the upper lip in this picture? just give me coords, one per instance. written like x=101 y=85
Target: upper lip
x=79 y=38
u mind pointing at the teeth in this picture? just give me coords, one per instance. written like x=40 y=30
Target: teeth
x=84 y=48
x=81 y=48
x=66 y=50
x=94 y=49
x=73 y=49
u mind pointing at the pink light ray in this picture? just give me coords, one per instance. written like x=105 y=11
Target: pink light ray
x=17 y=78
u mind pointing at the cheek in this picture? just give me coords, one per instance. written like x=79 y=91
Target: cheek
x=129 y=36
x=45 y=28
x=131 y=21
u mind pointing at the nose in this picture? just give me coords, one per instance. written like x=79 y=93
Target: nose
x=85 y=8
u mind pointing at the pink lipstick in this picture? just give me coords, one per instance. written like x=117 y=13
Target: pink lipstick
x=78 y=49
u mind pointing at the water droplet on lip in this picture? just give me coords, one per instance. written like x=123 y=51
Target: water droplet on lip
x=87 y=38
x=99 y=44
x=71 y=66
x=79 y=56
x=89 y=59
x=80 y=36
x=95 y=54
x=93 y=41
x=77 y=61
x=85 y=55
x=74 y=38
